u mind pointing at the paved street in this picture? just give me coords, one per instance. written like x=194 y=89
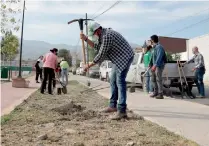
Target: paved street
x=189 y=119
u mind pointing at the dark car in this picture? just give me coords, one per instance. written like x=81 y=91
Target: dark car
x=94 y=71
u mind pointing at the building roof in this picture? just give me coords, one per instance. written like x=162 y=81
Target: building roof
x=173 y=45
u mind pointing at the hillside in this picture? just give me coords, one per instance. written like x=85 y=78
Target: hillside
x=32 y=49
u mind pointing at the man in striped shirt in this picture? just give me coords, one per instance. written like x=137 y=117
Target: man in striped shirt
x=114 y=47
x=199 y=69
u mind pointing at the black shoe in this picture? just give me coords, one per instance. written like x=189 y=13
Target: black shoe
x=159 y=96
x=154 y=95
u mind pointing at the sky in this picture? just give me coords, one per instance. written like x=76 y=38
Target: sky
x=135 y=20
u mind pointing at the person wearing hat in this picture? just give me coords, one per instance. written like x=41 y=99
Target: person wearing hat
x=50 y=63
x=112 y=46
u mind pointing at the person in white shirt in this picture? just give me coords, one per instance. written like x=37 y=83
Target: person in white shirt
x=39 y=66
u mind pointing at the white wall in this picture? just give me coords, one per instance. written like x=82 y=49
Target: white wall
x=202 y=42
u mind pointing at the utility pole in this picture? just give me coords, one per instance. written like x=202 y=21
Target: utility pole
x=87 y=52
x=20 y=63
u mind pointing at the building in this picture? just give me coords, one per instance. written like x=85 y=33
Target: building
x=173 y=45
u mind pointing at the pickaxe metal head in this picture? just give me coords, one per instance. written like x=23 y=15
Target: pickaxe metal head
x=80 y=21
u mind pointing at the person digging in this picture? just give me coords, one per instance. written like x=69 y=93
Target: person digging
x=112 y=46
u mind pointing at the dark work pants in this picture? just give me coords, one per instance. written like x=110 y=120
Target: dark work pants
x=38 y=72
x=199 y=74
x=48 y=74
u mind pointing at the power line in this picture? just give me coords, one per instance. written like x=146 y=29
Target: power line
x=202 y=21
x=107 y=9
x=184 y=18
x=98 y=10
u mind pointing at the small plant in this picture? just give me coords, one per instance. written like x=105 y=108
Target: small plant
x=5 y=119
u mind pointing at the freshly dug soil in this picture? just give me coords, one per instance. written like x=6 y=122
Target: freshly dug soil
x=75 y=119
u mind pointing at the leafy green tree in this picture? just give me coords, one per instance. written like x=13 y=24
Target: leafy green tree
x=77 y=64
x=9 y=21
x=9 y=46
x=66 y=54
x=92 y=53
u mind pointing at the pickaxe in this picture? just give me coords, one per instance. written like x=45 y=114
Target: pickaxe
x=80 y=21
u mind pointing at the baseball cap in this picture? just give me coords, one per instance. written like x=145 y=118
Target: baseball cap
x=93 y=27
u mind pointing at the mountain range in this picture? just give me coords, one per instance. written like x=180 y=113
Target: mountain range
x=32 y=49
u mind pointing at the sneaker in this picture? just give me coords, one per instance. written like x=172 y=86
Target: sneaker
x=109 y=110
x=154 y=95
x=119 y=116
x=159 y=96
x=37 y=82
x=200 y=96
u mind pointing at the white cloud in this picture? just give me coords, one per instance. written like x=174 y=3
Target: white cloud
x=124 y=16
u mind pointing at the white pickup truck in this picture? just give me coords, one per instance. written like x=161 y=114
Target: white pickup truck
x=105 y=70
x=171 y=76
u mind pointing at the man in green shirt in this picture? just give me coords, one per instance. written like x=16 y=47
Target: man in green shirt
x=64 y=67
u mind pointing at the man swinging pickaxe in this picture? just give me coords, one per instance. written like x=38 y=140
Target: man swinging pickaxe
x=80 y=21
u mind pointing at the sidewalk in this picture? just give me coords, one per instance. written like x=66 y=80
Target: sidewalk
x=11 y=97
x=185 y=118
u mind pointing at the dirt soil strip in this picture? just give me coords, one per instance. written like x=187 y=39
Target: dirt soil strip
x=75 y=119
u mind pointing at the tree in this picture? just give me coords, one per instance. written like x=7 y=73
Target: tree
x=9 y=46
x=66 y=54
x=177 y=56
x=173 y=57
x=77 y=64
x=92 y=53
x=9 y=22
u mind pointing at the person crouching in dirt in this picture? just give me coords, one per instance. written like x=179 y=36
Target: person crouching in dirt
x=50 y=63
x=114 y=47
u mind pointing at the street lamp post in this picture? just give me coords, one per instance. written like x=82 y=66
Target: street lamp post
x=20 y=63
x=20 y=82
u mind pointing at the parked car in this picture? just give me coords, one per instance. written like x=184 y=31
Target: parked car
x=105 y=70
x=170 y=75
x=78 y=71
x=82 y=73
x=94 y=71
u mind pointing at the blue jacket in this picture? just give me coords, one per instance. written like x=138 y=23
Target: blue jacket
x=158 y=56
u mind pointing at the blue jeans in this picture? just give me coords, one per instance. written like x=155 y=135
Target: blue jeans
x=199 y=74
x=64 y=74
x=118 y=87
x=148 y=81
